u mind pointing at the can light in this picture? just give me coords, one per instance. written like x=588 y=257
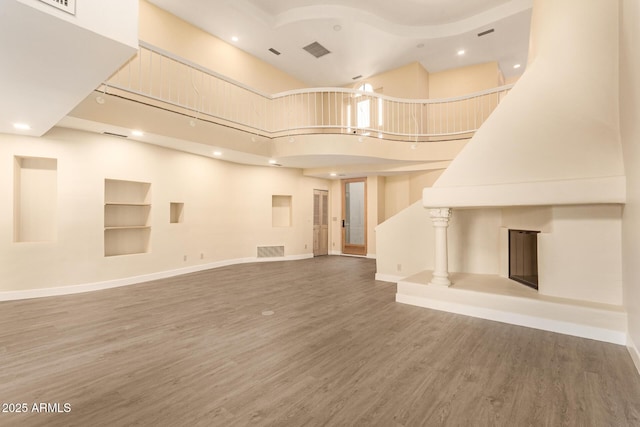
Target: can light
x=21 y=126
x=137 y=133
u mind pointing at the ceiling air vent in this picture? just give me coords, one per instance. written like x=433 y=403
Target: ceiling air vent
x=316 y=49
x=359 y=76
x=114 y=134
x=68 y=6
x=275 y=52
x=484 y=33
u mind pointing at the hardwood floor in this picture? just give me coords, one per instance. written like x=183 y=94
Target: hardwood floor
x=197 y=350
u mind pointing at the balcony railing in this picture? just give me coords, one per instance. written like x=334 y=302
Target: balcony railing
x=161 y=79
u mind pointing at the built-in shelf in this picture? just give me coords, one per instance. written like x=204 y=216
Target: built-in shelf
x=127 y=209
x=130 y=227
x=35 y=199
x=176 y=212
x=281 y=210
x=127 y=204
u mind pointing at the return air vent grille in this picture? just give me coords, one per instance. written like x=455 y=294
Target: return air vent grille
x=484 y=33
x=114 y=134
x=275 y=52
x=270 y=251
x=316 y=49
x=68 y=6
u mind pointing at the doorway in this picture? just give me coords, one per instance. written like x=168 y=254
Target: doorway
x=354 y=216
x=320 y=222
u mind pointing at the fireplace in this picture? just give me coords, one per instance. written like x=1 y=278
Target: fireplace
x=523 y=257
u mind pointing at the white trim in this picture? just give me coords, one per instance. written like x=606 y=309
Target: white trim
x=634 y=352
x=108 y=284
x=545 y=324
x=581 y=191
x=371 y=256
x=388 y=278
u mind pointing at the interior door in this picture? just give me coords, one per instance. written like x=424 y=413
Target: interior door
x=354 y=216
x=320 y=222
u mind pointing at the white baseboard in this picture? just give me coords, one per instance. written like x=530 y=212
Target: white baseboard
x=108 y=284
x=545 y=324
x=388 y=278
x=371 y=256
x=634 y=352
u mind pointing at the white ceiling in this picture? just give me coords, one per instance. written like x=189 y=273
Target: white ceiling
x=48 y=66
x=366 y=37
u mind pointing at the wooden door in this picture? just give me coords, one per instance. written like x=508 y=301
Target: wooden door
x=320 y=222
x=354 y=216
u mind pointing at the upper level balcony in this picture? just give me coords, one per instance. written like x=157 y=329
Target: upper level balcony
x=188 y=107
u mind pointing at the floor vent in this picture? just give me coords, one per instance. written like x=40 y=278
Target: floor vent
x=270 y=251
x=68 y=6
x=316 y=49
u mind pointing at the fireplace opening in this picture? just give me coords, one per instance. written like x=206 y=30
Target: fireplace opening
x=523 y=257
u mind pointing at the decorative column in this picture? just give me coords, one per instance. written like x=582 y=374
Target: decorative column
x=440 y=218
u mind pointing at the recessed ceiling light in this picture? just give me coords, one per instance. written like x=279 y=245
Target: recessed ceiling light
x=517 y=66
x=235 y=38
x=333 y=174
x=21 y=126
x=137 y=133
x=420 y=45
x=461 y=52
x=272 y=162
x=100 y=100
x=217 y=153
x=337 y=27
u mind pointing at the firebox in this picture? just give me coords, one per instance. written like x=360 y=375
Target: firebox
x=523 y=257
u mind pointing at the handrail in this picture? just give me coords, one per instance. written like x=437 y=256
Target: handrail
x=175 y=83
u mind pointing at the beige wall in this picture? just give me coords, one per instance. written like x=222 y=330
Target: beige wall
x=464 y=80
x=401 y=191
x=581 y=258
x=170 y=33
x=227 y=210
x=410 y=81
x=630 y=133
x=396 y=194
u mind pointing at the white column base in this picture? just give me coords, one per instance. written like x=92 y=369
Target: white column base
x=440 y=280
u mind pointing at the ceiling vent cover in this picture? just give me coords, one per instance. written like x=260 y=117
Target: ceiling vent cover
x=484 y=33
x=68 y=6
x=114 y=134
x=316 y=49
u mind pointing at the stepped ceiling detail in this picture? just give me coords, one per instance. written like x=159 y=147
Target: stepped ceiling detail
x=366 y=37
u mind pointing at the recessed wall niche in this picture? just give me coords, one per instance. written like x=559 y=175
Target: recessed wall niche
x=281 y=211
x=127 y=208
x=176 y=212
x=35 y=199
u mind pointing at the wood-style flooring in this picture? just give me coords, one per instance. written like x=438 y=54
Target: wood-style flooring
x=196 y=350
